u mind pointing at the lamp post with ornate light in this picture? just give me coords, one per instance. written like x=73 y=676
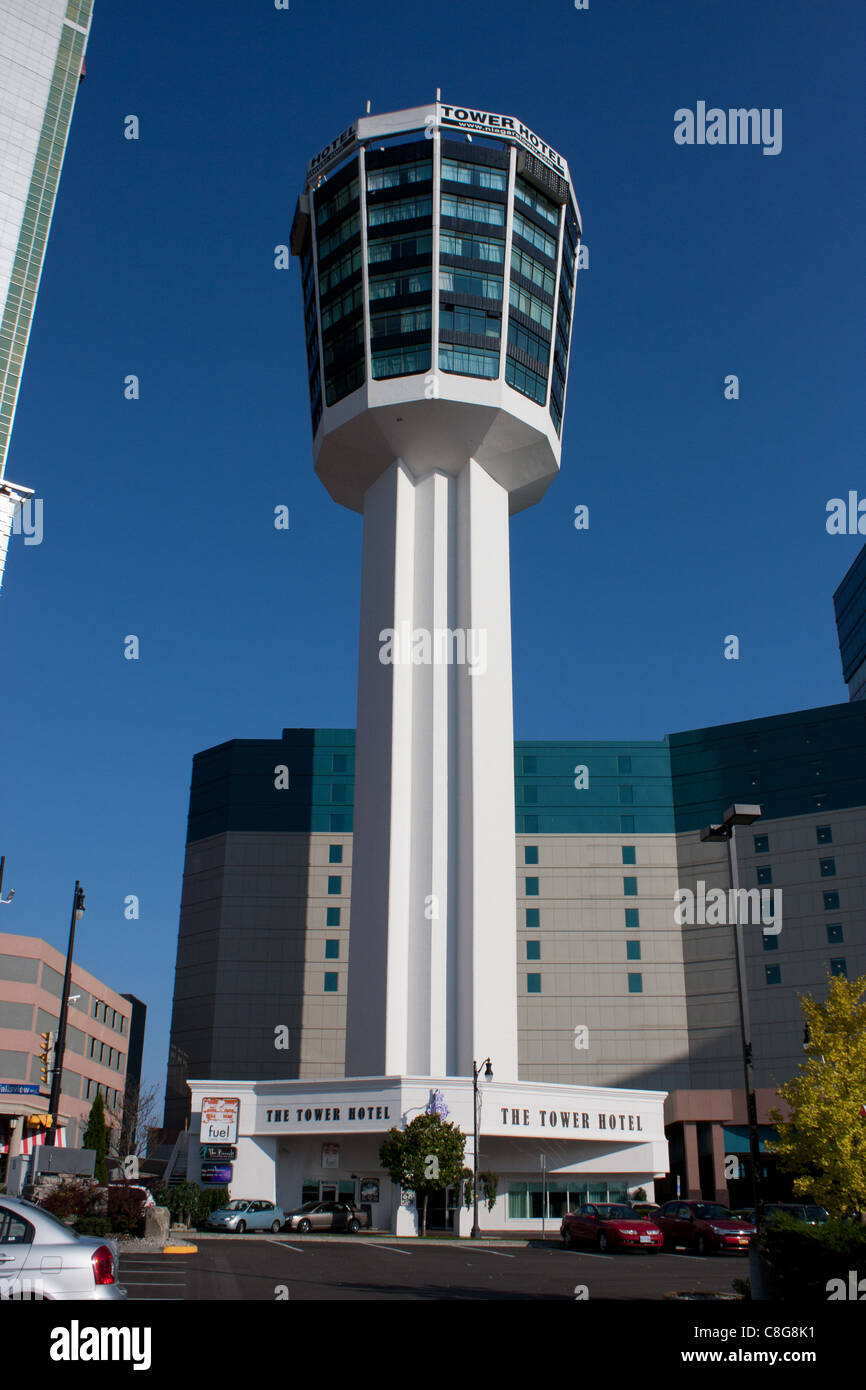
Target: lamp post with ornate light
x=476 y=1107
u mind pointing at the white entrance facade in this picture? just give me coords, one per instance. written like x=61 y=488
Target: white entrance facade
x=551 y=1146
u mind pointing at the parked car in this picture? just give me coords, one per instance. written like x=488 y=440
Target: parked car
x=609 y=1225
x=703 y=1226
x=242 y=1214
x=815 y=1216
x=326 y=1216
x=645 y=1209
x=41 y=1258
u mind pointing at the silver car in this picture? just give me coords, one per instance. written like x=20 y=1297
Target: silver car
x=40 y=1258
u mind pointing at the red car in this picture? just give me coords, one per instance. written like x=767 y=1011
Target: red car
x=703 y=1226
x=610 y=1226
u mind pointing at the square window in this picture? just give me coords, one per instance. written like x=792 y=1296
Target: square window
x=632 y=950
x=824 y=834
x=771 y=943
x=831 y=901
x=628 y=854
x=754 y=779
x=331 y=978
x=531 y=888
x=530 y=764
x=632 y=917
x=336 y=822
x=838 y=967
x=332 y=918
x=335 y=883
x=338 y=791
x=533 y=984
x=533 y=950
x=773 y=974
x=332 y=950
x=530 y=854
x=828 y=868
x=635 y=984
x=533 y=917
x=819 y=801
x=530 y=795
x=530 y=825
x=335 y=854
x=835 y=934
x=629 y=887
x=626 y=825
x=626 y=794
x=623 y=764
x=765 y=873
x=762 y=844
x=339 y=762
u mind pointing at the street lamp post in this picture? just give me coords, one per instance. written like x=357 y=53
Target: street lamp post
x=476 y=1106
x=60 y=1046
x=740 y=814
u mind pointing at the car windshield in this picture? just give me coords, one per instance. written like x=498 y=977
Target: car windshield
x=711 y=1211
x=615 y=1213
x=236 y=1205
x=817 y=1214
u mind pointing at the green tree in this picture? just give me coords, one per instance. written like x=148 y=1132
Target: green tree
x=96 y=1137
x=425 y=1157
x=823 y=1141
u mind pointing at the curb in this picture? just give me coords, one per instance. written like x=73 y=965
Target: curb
x=180 y=1249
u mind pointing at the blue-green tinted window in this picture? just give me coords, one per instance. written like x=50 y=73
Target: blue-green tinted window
x=332 y=918
x=626 y=794
x=534 y=235
x=628 y=854
x=479 y=248
x=824 y=834
x=456 y=318
x=838 y=967
x=632 y=950
x=473 y=210
x=335 y=854
x=401 y=361
x=765 y=873
x=468 y=361
x=530 y=825
x=332 y=950
x=533 y=270
x=410 y=282
x=828 y=868
x=623 y=764
x=397 y=248
x=629 y=887
x=632 y=918
x=380 y=213
x=831 y=901
x=529 y=383
x=340 y=762
x=528 y=194
x=762 y=844
x=418 y=171
x=773 y=974
x=331 y=978
x=835 y=934
x=532 y=888
x=533 y=950
x=533 y=917
x=771 y=943
x=626 y=825
x=530 y=764
x=400 y=321
x=530 y=305
x=481 y=175
x=533 y=984
x=530 y=793
x=530 y=854
x=635 y=984
x=338 y=791
x=335 y=883
x=470 y=282
x=336 y=822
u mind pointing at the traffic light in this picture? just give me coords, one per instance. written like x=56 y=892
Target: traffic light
x=46 y=1057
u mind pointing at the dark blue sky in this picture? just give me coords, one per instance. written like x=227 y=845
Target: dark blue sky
x=707 y=515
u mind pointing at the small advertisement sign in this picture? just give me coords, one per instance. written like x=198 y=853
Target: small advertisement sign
x=220 y=1173
x=369 y=1190
x=330 y=1155
x=219 y=1120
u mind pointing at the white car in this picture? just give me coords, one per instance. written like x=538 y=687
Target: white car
x=40 y=1258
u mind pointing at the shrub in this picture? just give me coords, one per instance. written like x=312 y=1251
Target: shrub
x=125 y=1211
x=92 y=1226
x=67 y=1199
x=802 y=1259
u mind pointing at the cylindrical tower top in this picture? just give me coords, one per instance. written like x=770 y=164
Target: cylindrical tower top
x=439 y=249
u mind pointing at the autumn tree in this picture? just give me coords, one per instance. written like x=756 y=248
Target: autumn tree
x=823 y=1141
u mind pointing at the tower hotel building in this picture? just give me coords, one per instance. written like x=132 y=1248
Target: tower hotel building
x=367 y=916
x=42 y=44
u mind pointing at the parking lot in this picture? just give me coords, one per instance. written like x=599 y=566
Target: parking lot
x=274 y=1268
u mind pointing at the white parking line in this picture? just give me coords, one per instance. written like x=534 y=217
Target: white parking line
x=285 y=1244
x=171 y=1284
x=482 y=1250
x=389 y=1249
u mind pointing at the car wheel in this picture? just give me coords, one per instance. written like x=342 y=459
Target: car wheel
x=568 y=1238
x=303 y=1227
x=603 y=1243
x=353 y=1226
x=703 y=1246
x=241 y=1227
x=276 y=1226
